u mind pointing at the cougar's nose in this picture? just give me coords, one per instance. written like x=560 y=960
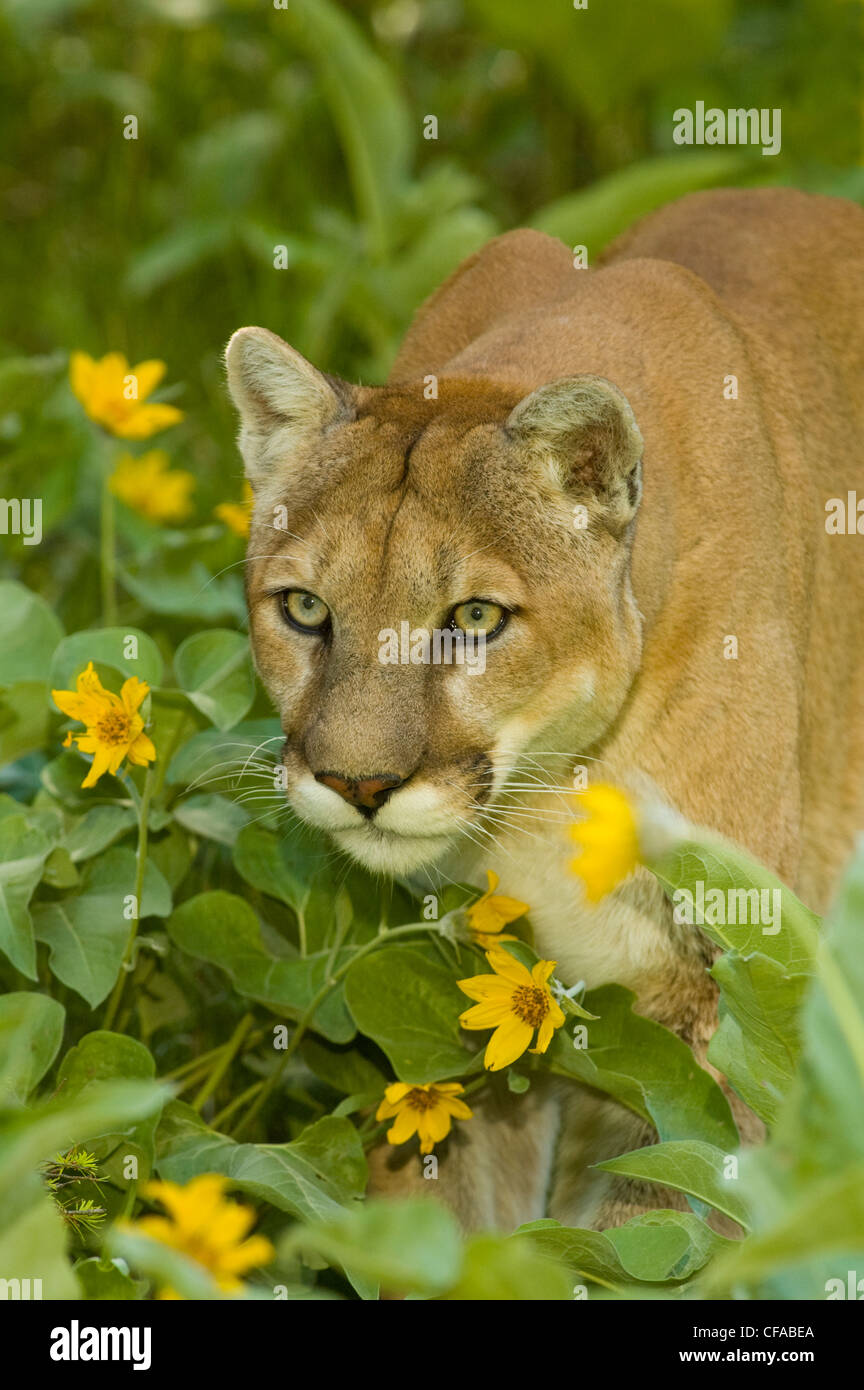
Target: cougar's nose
x=366 y=793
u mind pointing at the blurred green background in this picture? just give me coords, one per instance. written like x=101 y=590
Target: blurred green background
x=303 y=128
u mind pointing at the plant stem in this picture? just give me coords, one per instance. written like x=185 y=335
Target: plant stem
x=141 y=862
x=236 y=1104
x=108 y=552
x=224 y=1062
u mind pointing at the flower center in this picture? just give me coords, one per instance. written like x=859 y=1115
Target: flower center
x=113 y=727
x=530 y=1004
x=421 y=1100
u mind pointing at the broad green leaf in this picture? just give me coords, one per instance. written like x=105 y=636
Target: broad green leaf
x=221 y=928
x=314 y=1177
x=212 y=816
x=29 y=632
x=589 y=1255
x=102 y=1279
x=690 y=1166
x=409 y=1004
x=597 y=214
x=294 y=869
x=215 y=670
x=33 y=1247
x=343 y=1068
x=646 y=1067
x=104 y=1056
x=31 y=1030
x=661 y=1245
x=24 y=719
x=87 y=932
x=97 y=829
x=24 y=847
x=367 y=107
x=406 y=1246
x=107 y=647
x=497 y=1268
x=217 y=761
x=28 y=1138
x=827 y=1216
x=757 y=1042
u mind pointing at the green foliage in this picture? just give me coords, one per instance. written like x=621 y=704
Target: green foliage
x=173 y=922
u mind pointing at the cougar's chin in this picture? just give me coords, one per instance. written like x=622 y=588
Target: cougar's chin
x=387 y=852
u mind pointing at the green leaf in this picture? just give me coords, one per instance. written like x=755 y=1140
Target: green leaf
x=24 y=847
x=406 y=1246
x=343 y=1068
x=690 y=1166
x=663 y=1245
x=596 y=215
x=409 y=1003
x=212 y=816
x=313 y=1177
x=371 y=117
x=87 y=932
x=97 y=829
x=101 y=1279
x=33 y=1246
x=31 y=1030
x=24 y=719
x=295 y=870
x=106 y=647
x=828 y=1216
x=29 y=632
x=104 y=1056
x=223 y=929
x=646 y=1067
x=500 y=1269
x=215 y=670
x=28 y=1138
x=757 y=1042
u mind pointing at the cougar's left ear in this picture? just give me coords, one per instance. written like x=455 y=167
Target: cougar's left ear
x=583 y=429
x=276 y=390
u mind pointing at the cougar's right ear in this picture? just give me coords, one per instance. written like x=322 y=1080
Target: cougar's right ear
x=276 y=390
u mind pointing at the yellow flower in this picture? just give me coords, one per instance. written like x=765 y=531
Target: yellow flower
x=237 y=515
x=115 y=394
x=427 y=1109
x=115 y=729
x=153 y=489
x=206 y=1227
x=489 y=914
x=608 y=839
x=514 y=1001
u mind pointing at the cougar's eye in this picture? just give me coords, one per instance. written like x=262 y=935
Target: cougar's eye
x=304 y=611
x=478 y=615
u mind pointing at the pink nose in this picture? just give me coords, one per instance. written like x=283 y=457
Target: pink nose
x=366 y=793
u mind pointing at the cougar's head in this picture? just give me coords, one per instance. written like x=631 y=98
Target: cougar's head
x=433 y=585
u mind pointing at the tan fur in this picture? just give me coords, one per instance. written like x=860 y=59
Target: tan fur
x=400 y=507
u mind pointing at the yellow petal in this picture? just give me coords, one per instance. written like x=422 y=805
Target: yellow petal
x=146 y=421
x=149 y=374
x=507 y=1043
x=486 y=1015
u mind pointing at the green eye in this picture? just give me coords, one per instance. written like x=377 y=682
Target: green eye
x=305 y=611
x=479 y=616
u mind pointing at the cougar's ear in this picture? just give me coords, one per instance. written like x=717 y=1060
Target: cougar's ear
x=583 y=430
x=277 y=393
